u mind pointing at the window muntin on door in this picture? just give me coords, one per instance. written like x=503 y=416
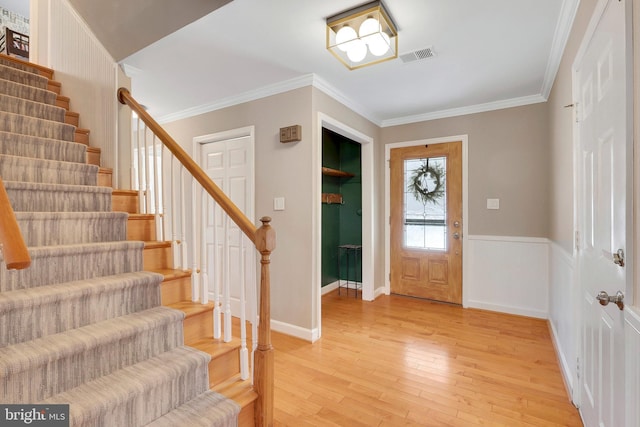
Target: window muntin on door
x=425 y=203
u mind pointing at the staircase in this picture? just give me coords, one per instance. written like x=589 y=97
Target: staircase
x=84 y=324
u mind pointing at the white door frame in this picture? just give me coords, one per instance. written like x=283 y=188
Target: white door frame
x=367 y=142
x=465 y=204
x=630 y=241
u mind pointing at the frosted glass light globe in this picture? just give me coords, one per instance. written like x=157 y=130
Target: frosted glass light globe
x=344 y=36
x=379 y=43
x=368 y=27
x=357 y=50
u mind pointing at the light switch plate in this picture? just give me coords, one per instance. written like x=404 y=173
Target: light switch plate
x=278 y=203
x=493 y=203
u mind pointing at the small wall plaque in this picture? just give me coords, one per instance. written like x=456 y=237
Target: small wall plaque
x=291 y=133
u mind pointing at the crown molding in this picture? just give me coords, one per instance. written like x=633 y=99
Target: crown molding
x=322 y=85
x=462 y=111
x=560 y=38
x=252 y=95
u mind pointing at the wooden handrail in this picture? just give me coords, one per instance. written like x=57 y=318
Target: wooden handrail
x=264 y=238
x=16 y=255
x=236 y=215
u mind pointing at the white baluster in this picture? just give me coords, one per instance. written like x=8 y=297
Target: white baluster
x=227 y=285
x=175 y=246
x=141 y=205
x=217 y=313
x=244 y=355
x=183 y=220
x=156 y=191
x=147 y=173
x=194 y=245
x=204 y=295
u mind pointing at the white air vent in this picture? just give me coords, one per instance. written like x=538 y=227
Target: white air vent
x=418 y=55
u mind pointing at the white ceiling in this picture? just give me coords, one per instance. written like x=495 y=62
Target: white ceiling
x=489 y=54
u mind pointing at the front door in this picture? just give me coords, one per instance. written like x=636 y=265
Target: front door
x=426 y=221
x=602 y=162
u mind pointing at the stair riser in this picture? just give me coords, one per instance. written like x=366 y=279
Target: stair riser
x=156 y=393
x=62 y=102
x=64 y=264
x=81 y=137
x=176 y=290
x=82 y=303
x=223 y=367
x=157 y=258
x=24 y=125
x=70 y=229
x=125 y=202
x=198 y=326
x=27 y=92
x=54 y=87
x=14 y=168
x=10 y=104
x=93 y=156
x=143 y=229
x=71 y=118
x=93 y=356
x=105 y=178
x=28 y=146
x=43 y=199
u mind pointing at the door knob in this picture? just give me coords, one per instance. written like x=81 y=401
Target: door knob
x=605 y=299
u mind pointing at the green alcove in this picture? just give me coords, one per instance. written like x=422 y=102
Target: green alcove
x=341 y=223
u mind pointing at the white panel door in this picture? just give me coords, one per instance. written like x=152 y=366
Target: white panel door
x=602 y=214
x=229 y=163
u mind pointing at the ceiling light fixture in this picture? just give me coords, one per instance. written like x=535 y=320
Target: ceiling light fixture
x=362 y=36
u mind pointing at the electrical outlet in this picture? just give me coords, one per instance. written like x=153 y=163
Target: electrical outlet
x=493 y=203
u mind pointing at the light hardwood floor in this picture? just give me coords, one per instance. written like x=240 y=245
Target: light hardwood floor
x=401 y=361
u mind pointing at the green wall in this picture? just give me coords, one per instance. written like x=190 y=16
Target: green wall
x=341 y=224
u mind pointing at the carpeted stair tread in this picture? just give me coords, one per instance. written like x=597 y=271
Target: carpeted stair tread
x=34 y=126
x=60 y=362
x=58 y=264
x=24 y=66
x=17 y=168
x=12 y=104
x=42 y=148
x=40 y=197
x=209 y=409
x=52 y=309
x=68 y=228
x=138 y=394
x=31 y=93
x=22 y=76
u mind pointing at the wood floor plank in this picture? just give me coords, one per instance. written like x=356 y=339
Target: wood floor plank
x=403 y=361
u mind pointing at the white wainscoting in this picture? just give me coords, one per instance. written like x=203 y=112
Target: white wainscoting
x=86 y=70
x=563 y=311
x=507 y=274
x=632 y=368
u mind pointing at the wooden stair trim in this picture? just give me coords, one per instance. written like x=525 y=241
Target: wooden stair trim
x=172 y=274
x=72 y=118
x=121 y=192
x=63 y=101
x=155 y=244
x=43 y=71
x=54 y=86
x=216 y=347
x=192 y=309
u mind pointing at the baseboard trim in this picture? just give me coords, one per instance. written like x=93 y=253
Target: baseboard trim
x=539 y=314
x=310 y=335
x=330 y=287
x=567 y=377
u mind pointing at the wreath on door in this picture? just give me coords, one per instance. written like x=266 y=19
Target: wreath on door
x=427 y=183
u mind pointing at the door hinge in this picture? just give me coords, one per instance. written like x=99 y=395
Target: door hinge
x=578 y=367
x=389 y=277
x=576 y=111
x=577 y=240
